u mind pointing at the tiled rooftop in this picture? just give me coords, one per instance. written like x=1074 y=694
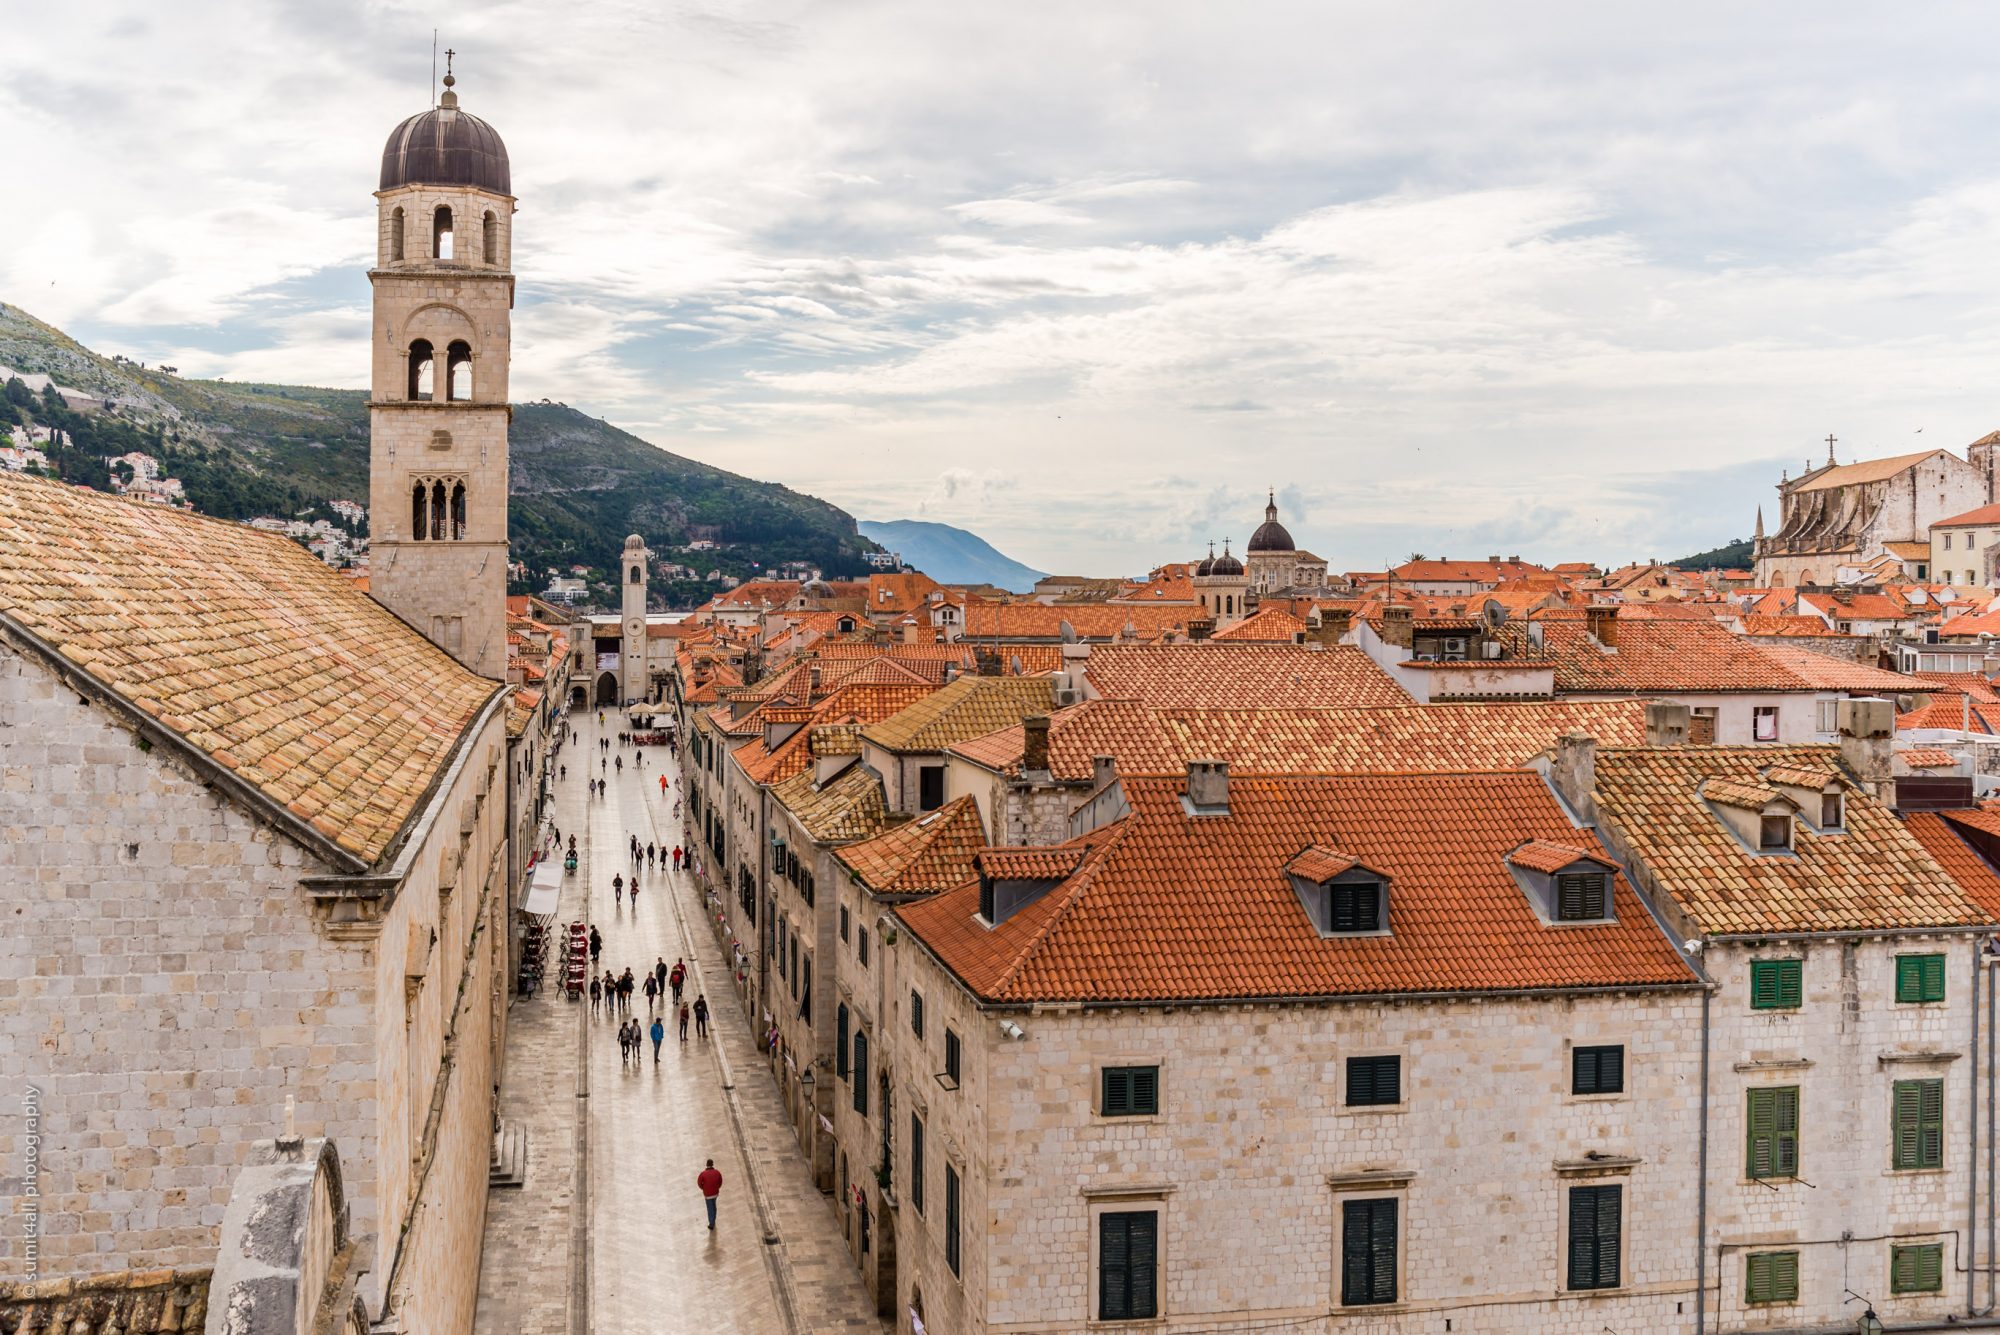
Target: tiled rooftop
x=1241 y=676
x=968 y=707
x=851 y=806
x=1872 y=875
x=1163 y=907
x=1960 y=860
x=244 y=645
x=1271 y=625
x=926 y=855
x=1549 y=856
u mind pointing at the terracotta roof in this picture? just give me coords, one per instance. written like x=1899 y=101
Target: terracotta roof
x=244 y=646
x=1270 y=676
x=836 y=739
x=1873 y=876
x=1549 y=856
x=1319 y=864
x=1975 y=684
x=851 y=806
x=931 y=658
x=1024 y=863
x=1953 y=712
x=1465 y=572
x=1164 y=907
x=1410 y=737
x=1829 y=672
x=1746 y=796
x=1865 y=607
x=1792 y=627
x=1271 y=625
x=926 y=855
x=1986 y=622
x=1874 y=470
x=850 y=704
x=1974 y=875
x=1669 y=655
x=968 y=707
x=1927 y=757
x=1985 y=514
x=1799 y=776
x=1095 y=621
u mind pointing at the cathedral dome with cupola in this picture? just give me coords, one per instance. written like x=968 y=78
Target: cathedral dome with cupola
x=446 y=147
x=1271 y=536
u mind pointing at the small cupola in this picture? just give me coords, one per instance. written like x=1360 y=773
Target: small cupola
x=1565 y=884
x=1820 y=795
x=1761 y=818
x=1341 y=894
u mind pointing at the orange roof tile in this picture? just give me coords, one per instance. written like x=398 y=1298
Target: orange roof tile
x=1319 y=864
x=968 y=707
x=1271 y=625
x=1163 y=907
x=1984 y=515
x=1927 y=757
x=1872 y=876
x=926 y=855
x=1973 y=873
x=1090 y=621
x=246 y=648
x=849 y=806
x=1874 y=470
x=1211 y=675
x=1550 y=856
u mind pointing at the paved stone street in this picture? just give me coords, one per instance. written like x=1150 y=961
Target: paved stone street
x=776 y=1261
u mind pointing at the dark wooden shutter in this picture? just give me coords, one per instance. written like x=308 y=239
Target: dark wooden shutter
x=1146 y=1090
x=1596 y=1236
x=1143 y=1231
x=1374 y=1081
x=840 y=1041
x=951 y=1217
x=916 y=1163
x=1598 y=1070
x=1579 y=897
x=861 y=1073
x=1117 y=1091
x=1367 y=1252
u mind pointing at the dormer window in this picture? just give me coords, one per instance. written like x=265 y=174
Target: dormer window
x=1010 y=879
x=1819 y=796
x=1760 y=817
x=1832 y=811
x=1565 y=884
x=1340 y=895
x=1774 y=831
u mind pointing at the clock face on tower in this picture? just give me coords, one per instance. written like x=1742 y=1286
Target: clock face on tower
x=635 y=627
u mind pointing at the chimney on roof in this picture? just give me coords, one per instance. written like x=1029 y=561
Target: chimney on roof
x=1867 y=736
x=812 y=675
x=1329 y=625
x=1103 y=769
x=1602 y=621
x=1493 y=560
x=1208 y=787
x=1667 y=724
x=1035 y=744
x=910 y=630
x=1573 y=773
x=1396 y=627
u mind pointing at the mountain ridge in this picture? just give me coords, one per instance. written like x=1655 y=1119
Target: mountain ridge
x=950 y=555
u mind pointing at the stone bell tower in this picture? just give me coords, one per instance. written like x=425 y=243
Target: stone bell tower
x=438 y=413
x=632 y=680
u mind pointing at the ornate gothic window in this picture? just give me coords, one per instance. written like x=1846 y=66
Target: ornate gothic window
x=437 y=509
x=421 y=359
x=441 y=248
x=458 y=371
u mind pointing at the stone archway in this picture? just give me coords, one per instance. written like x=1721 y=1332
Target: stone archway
x=579 y=697
x=607 y=689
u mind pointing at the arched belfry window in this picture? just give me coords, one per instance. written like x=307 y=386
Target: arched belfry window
x=420 y=506
x=437 y=509
x=441 y=233
x=635 y=575
x=458 y=371
x=396 y=223
x=458 y=512
x=421 y=368
x=489 y=234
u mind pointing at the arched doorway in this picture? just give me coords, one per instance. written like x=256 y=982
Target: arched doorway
x=579 y=697
x=607 y=688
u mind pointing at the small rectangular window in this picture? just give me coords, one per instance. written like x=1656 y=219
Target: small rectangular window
x=1367 y=1252
x=951 y=1056
x=1773 y=1132
x=1918 y=1269
x=916 y=1163
x=1355 y=907
x=1917 y=1132
x=1832 y=811
x=1764 y=723
x=1374 y=1081
x=1127 y=1265
x=916 y=1013
x=930 y=787
x=1771 y=1277
x=843 y=922
x=951 y=1217
x=1598 y=1070
x=1919 y=978
x=1777 y=984
x=1775 y=831
x=1131 y=1091
x=1596 y=1236
x=861 y=945
x=1580 y=897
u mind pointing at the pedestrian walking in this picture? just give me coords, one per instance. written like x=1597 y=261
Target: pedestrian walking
x=635 y=889
x=677 y=978
x=624 y=1043
x=677 y=857
x=596 y=991
x=659 y=1032
x=610 y=993
x=596 y=945
x=604 y=767
x=701 y=1017
x=684 y=1022
x=618 y=889
x=626 y=986
x=663 y=785
x=660 y=972
x=562 y=772
x=651 y=850
x=652 y=992
x=710 y=1182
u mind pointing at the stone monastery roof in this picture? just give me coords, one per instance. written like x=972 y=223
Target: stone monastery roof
x=243 y=647
x=1164 y=907
x=1872 y=470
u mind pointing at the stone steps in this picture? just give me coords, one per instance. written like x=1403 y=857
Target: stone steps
x=507 y=1166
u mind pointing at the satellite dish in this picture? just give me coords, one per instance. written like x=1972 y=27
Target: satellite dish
x=1068 y=633
x=1494 y=615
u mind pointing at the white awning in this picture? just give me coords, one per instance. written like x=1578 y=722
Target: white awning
x=544 y=889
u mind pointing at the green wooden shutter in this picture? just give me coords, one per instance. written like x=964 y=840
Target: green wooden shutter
x=1354 y=1269
x=1596 y=1236
x=1771 y=1277
x=1917 y=1122
x=1117 y=1091
x=1763 y=985
x=1113 y=1267
x=1145 y=1081
x=1772 y=1147
x=1909 y=978
x=1918 y=1269
x=1933 y=983
x=1791 y=983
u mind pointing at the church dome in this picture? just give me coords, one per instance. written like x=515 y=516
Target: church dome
x=1226 y=564
x=1271 y=536
x=446 y=146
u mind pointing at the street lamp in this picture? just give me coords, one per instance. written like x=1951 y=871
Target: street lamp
x=1869 y=1324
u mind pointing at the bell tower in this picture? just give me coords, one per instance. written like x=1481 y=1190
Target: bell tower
x=633 y=681
x=438 y=410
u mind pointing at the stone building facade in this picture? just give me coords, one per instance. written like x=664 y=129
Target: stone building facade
x=1847 y=514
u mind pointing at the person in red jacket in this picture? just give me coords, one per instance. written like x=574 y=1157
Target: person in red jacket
x=710 y=1183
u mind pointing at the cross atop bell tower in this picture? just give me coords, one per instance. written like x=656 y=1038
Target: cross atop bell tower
x=438 y=409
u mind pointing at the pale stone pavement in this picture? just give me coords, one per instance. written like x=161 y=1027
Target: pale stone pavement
x=654 y=1267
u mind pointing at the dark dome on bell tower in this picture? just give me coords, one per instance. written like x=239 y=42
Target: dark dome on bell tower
x=448 y=147
x=1271 y=536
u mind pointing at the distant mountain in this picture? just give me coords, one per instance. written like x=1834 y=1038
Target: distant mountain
x=578 y=484
x=949 y=555
x=1730 y=556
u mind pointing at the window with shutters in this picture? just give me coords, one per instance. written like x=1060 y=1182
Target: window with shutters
x=861 y=1073
x=1354 y=906
x=1777 y=984
x=861 y=945
x=1773 y=1138
x=1596 y=1236
x=1597 y=1070
x=1771 y=1277
x=840 y=1041
x=1374 y=1082
x=843 y=922
x=916 y=1163
x=1128 y=1245
x=951 y=1057
x=951 y=1218
x=1367 y=1252
x=916 y=1013
x=1130 y=1091
x=1581 y=897
x=1832 y=811
x=1919 y=978
x=1918 y=1269
x=1917 y=1124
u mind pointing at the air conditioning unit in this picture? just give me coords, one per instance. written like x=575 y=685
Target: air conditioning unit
x=1067 y=696
x=1454 y=651
x=1425 y=658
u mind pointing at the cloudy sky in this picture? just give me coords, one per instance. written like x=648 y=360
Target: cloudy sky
x=1569 y=281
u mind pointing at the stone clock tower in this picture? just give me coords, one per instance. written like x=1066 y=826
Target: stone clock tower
x=632 y=683
x=438 y=413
